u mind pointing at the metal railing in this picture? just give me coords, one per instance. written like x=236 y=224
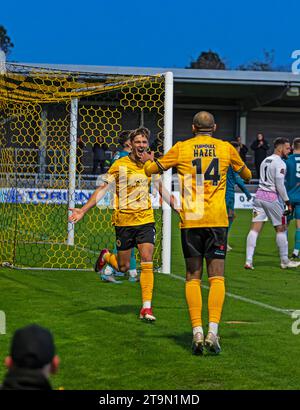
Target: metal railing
x=60 y=181
x=50 y=160
x=35 y=180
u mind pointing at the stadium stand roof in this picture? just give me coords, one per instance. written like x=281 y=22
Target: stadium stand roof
x=245 y=90
x=187 y=75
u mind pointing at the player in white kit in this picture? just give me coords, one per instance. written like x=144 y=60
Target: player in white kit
x=270 y=203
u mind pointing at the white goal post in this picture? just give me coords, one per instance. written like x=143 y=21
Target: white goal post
x=168 y=142
x=167 y=177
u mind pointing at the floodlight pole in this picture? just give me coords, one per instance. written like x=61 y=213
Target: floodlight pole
x=72 y=166
x=167 y=178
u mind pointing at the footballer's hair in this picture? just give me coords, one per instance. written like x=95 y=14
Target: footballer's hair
x=140 y=131
x=280 y=141
x=124 y=136
x=296 y=143
x=204 y=121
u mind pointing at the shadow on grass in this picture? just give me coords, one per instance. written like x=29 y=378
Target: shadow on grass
x=183 y=340
x=119 y=310
x=237 y=251
x=268 y=264
x=27 y=285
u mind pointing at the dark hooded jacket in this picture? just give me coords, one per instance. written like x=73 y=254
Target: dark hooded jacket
x=25 y=379
x=260 y=152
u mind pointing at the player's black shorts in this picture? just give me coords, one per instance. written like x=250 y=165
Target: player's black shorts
x=210 y=243
x=130 y=236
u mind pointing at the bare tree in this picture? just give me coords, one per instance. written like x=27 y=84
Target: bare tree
x=267 y=64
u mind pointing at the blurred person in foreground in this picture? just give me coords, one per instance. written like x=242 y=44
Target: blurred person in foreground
x=31 y=361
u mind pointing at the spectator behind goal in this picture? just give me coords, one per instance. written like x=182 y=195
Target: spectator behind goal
x=99 y=149
x=32 y=359
x=242 y=149
x=260 y=147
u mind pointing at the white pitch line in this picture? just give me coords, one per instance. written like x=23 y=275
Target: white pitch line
x=247 y=300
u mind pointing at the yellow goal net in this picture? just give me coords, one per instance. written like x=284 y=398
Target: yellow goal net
x=50 y=123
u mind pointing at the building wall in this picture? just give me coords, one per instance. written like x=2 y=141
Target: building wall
x=225 y=120
x=272 y=125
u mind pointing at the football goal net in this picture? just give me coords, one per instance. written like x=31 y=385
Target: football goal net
x=50 y=123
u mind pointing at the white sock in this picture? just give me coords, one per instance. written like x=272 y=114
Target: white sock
x=197 y=329
x=213 y=328
x=133 y=273
x=296 y=252
x=283 y=246
x=251 y=244
x=147 y=304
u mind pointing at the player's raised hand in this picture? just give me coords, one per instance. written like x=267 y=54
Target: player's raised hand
x=174 y=204
x=146 y=156
x=76 y=215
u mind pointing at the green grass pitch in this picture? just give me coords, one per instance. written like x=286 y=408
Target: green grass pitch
x=39 y=233
x=102 y=344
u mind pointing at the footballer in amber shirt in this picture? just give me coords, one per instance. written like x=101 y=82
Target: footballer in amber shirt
x=132 y=205
x=202 y=163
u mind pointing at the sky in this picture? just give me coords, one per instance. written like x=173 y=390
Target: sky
x=153 y=33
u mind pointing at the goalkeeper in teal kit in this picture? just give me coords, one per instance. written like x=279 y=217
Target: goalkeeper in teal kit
x=292 y=184
x=108 y=274
x=233 y=179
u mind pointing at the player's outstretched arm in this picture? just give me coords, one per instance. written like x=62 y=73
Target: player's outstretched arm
x=241 y=184
x=169 y=160
x=167 y=196
x=150 y=166
x=245 y=173
x=78 y=213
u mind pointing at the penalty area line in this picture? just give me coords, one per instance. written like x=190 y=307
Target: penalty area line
x=243 y=299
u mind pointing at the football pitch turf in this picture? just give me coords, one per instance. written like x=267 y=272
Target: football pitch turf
x=103 y=345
